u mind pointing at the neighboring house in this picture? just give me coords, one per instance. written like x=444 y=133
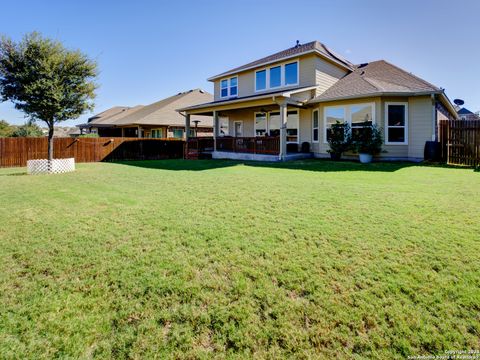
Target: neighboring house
x=157 y=120
x=63 y=131
x=294 y=96
x=465 y=114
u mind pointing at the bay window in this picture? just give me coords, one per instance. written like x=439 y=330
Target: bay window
x=396 y=123
x=359 y=116
x=332 y=115
x=229 y=87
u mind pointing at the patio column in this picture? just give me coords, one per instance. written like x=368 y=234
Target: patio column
x=187 y=127
x=139 y=131
x=123 y=132
x=283 y=131
x=215 y=130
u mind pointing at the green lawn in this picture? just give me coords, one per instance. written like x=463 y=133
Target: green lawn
x=197 y=259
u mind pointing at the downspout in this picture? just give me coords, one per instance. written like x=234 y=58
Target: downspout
x=434 y=118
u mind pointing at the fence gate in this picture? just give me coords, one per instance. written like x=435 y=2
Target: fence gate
x=460 y=142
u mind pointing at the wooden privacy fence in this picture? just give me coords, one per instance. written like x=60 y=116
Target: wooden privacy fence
x=460 y=142
x=16 y=151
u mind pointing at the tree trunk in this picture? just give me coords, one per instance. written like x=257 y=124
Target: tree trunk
x=50 y=142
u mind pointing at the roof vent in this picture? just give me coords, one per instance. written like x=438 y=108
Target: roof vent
x=297 y=44
x=362 y=65
x=203 y=92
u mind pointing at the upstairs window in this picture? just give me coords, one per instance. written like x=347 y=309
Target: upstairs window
x=396 y=121
x=261 y=80
x=277 y=76
x=229 y=87
x=291 y=74
x=224 y=88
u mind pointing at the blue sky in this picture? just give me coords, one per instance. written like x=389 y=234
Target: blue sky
x=148 y=50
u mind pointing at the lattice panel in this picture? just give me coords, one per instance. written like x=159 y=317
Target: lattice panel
x=56 y=166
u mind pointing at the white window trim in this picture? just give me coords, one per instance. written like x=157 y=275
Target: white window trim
x=387 y=104
x=348 y=115
x=282 y=76
x=318 y=127
x=229 y=87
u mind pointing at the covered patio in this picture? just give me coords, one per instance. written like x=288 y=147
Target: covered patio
x=264 y=128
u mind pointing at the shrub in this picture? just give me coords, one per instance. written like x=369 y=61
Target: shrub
x=369 y=140
x=340 y=139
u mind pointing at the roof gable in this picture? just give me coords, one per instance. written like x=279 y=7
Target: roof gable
x=300 y=49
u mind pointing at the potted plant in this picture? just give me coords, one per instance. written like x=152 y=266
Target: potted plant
x=368 y=142
x=340 y=139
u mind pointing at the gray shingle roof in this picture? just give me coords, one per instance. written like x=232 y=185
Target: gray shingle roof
x=375 y=78
x=296 y=50
x=107 y=113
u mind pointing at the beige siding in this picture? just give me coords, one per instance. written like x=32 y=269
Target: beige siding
x=420 y=116
x=313 y=70
x=326 y=74
x=305 y=125
x=420 y=125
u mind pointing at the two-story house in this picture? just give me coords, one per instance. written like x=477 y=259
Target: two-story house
x=286 y=102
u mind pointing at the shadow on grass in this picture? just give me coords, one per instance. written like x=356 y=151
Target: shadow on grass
x=319 y=165
x=15 y=173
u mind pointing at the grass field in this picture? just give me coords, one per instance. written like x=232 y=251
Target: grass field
x=202 y=259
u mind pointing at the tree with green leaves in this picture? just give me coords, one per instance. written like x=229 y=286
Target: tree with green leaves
x=46 y=81
x=30 y=129
x=6 y=130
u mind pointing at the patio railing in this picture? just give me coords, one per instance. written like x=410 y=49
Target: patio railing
x=254 y=145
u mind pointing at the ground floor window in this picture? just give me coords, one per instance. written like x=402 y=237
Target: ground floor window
x=156 y=133
x=270 y=124
x=332 y=115
x=292 y=126
x=315 y=126
x=260 y=124
x=274 y=124
x=359 y=116
x=396 y=123
x=223 y=128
